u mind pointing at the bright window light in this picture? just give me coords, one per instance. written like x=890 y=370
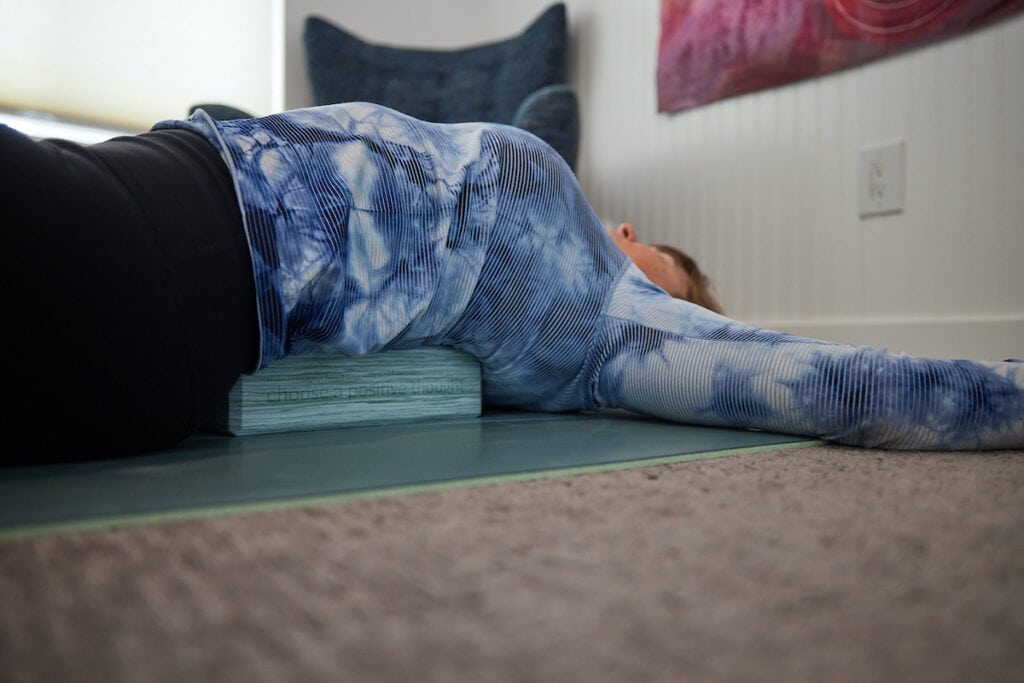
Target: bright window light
x=38 y=125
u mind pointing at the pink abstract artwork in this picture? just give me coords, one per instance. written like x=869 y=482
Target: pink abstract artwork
x=714 y=49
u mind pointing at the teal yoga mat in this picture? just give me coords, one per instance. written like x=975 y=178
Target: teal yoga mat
x=213 y=474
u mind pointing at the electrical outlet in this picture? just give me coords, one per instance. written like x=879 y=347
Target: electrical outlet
x=880 y=179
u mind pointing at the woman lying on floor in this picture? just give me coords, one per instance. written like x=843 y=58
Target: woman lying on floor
x=147 y=273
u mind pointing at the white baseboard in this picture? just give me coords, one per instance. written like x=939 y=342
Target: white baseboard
x=976 y=338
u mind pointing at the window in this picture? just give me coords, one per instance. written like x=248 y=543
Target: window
x=122 y=65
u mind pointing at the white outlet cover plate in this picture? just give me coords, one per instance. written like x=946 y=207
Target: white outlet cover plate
x=880 y=178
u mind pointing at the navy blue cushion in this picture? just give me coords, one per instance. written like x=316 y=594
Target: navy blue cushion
x=520 y=81
x=482 y=83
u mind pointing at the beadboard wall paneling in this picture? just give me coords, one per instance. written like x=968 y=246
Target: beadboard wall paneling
x=762 y=188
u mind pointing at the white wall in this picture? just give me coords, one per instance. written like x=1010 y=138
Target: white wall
x=762 y=188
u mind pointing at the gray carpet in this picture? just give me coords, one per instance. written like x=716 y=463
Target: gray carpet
x=811 y=564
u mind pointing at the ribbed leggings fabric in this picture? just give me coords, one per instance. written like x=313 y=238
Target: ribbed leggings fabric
x=129 y=292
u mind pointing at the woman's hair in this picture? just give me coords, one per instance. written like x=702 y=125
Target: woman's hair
x=700 y=289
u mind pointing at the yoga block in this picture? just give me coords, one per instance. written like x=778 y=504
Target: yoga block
x=324 y=391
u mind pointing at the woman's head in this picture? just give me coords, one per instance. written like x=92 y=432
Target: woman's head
x=700 y=284
x=669 y=268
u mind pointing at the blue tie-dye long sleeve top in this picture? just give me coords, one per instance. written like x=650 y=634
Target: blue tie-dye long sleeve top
x=370 y=230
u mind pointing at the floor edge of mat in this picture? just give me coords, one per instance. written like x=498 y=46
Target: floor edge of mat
x=112 y=522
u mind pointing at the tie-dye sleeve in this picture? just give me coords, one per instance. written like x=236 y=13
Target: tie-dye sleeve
x=669 y=358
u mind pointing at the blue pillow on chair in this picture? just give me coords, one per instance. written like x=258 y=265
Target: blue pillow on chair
x=221 y=112
x=520 y=81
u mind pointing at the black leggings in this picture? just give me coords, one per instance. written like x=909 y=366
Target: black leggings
x=130 y=299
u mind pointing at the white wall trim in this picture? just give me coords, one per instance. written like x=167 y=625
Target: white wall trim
x=979 y=338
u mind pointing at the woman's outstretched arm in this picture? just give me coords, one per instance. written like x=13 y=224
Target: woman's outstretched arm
x=668 y=358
